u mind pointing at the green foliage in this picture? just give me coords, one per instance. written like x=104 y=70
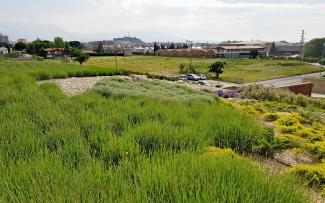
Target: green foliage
x=38 y=47
x=217 y=68
x=253 y=54
x=75 y=44
x=58 y=42
x=14 y=54
x=186 y=69
x=315 y=48
x=322 y=61
x=79 y=56
x=20 y=46
x=100 y=49
x=273 y=49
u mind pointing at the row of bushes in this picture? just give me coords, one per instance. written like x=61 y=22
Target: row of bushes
x=259 y=92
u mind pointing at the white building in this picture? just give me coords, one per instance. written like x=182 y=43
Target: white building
x=3 y=50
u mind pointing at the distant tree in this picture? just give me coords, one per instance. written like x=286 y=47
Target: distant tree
x=155 y=48
x=38 y=47
x=253 y=54
x=58 y=42
x=79 y=56
x=75 y=44
x=20 y=46
x=9 y=47
x=315 y=48
x=273 y=49
x=100 y=48
x=172 y=46
x=217 y=68
x=162 y=46
x=83 y=57
x=67 y=48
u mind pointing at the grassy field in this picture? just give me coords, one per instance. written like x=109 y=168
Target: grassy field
x=101 y=147
x=237 y=70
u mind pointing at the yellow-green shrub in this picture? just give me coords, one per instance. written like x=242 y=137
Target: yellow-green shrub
x=260 y=108
x=310 y=134
x=288 y=141
x=289 y=124
x=317 y=148
x=271 y=117
x=314 y=175
x=215 y=151
x=251 y=110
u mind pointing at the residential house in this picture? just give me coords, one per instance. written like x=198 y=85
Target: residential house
x=55 y=53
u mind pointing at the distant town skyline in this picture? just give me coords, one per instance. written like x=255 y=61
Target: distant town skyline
x=163 y=20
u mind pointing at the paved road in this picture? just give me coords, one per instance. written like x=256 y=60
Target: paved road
x=286 y=81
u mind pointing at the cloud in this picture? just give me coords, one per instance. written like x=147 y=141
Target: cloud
x=193 y=19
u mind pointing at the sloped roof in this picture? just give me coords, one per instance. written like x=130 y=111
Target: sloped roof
x=288 y=48
x=241 y=47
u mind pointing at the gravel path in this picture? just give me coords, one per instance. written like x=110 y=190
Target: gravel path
x=74 y=86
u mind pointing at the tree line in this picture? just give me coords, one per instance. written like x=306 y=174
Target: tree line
x=38 y=47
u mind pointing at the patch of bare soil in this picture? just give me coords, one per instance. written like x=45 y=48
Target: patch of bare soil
x=290 y=158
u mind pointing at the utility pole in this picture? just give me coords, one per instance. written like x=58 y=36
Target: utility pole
x=302 y=43
x=191 y=45
x=115 y=57
x=323 y=56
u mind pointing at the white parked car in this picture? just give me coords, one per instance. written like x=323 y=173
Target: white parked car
x=202 y=76
x=182 y=77
x=193 y=77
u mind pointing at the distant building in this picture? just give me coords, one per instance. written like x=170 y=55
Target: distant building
x=3 y=50
x=22 y=41
x=4 y=39
x=186 y=53
x=54 y=53
x=238 y=51
x=143 y=50
x=283 y=49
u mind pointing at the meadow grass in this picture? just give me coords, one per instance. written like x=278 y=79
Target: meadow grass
x=95 y=148
x=249 y=70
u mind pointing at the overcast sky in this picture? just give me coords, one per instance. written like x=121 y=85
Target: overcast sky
x=163 y=20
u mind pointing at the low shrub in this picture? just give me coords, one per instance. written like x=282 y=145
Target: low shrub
x=313 y=176
x=317 y=148
x=270 y=117
x=270 y=94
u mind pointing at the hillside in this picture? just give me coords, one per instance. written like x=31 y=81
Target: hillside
x=108 y=146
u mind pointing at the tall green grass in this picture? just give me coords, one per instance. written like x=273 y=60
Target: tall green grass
x=95 y=148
